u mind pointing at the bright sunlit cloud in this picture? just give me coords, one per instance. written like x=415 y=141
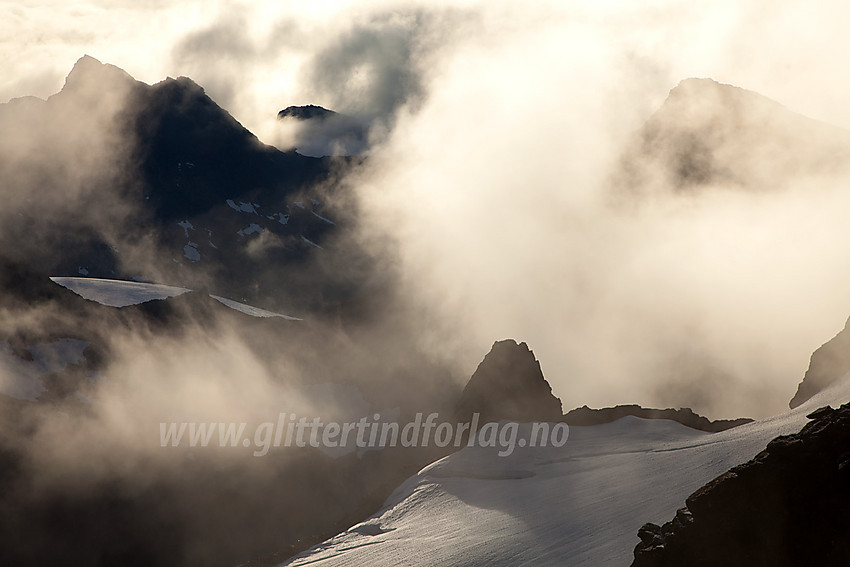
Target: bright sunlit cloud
x=498 y=125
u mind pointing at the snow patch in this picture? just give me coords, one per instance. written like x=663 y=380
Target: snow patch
x=191 y=252
x=185 y=225
x=118 y=293
x=310 y=242
x=250 y=229
x=243 y=207
x=250 y=309
x=320 y=217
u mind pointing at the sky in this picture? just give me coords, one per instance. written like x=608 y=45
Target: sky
x=252 y=56
x=495 y=125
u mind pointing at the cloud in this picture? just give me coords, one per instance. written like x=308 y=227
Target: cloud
x=506 y=121
x=484 y=207
x=370 y=70
x=214 y=56
x=495 y=192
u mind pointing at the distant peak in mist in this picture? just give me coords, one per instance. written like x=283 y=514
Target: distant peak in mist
x=828 y=364
x=695 y=87
x=306 y=112
x=323 y=132
x=710 y=133
x=697 y=102
x=88 y=72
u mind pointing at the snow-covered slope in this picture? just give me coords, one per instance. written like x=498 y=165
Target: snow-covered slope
x=581 y=504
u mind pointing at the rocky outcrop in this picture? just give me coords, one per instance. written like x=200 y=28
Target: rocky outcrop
x=323 y=132
x=686 y=416
x=509 y=385
x=306 y=112
x=828 y=363
x=785 y=507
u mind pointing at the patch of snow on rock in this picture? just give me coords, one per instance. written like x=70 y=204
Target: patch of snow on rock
x=118 y=293
x=191 y=252
x=320 y=217
x=185 y=225
x=310 y=242
x=243 y=207
x=250 y=309
x=250 y=229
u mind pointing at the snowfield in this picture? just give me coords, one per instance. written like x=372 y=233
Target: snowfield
x=118 y=293
x=250 y=309
x=121 y=293
x=580 y=504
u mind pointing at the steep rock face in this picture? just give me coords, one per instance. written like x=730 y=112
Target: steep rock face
x=787 y=506
x=711 y=133
x=115 y=178
x=686 y=416
x=509 y=384
x=828 y=363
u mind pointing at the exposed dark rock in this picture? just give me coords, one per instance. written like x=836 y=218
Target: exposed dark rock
x=686 y=416
x=786 y=507
x=324 y=132
x=307 y=112
x=828 y=363
x=509 y=385
x=115 y=178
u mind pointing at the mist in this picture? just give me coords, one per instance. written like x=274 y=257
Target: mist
x=498 y=129
x=487 y=203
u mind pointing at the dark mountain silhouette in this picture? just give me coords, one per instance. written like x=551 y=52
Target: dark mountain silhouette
x=509 y=385
x=828 y=363
x=787 y=506
x=709 y=133
x=114 y=178
x=306 y=112
x=195 y=156
x=323 y=132
x=686 y=416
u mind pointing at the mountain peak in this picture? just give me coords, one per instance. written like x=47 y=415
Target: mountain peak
x=710 y=133
x=698 y=102
x=89 y=73
x=706 y=84
x=307 y=112
x=509 y=384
